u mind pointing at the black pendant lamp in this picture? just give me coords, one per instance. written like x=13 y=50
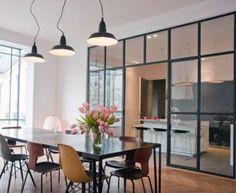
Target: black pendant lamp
x=102 y=37
x=62 y=49
x=34 y=56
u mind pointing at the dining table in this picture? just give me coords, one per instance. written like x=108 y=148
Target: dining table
x=83 y=144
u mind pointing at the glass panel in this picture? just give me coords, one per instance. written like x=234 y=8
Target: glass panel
x=157 y=46
x=96 y=58
x=96 y=88
x=14 y=87
x=184 y=86
x=5 y=50
x=217 y=35
x=217 y=89
x=145 y=95
x=114 y=96
x=184 y=41
x=218 y=147
x=5 y=77
x=183 y=140
x=134 y=50
x=115 y=56
x=16 y=52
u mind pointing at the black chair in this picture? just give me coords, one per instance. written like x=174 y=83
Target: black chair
x=129 y=157
x=11 y=158
x=142 y=157
x=12 y=143
x=160 y=131
x=184 y=133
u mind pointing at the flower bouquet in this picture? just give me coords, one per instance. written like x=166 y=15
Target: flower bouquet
x=97 y=121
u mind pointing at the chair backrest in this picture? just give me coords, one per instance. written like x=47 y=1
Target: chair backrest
x=129 y=158
x=52 y=123
x=142 y=156
x=5 y=151
x=35 y=150
x=130 y=139
x=71 y=164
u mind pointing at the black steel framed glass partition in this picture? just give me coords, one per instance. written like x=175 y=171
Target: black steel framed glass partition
x=197 y=62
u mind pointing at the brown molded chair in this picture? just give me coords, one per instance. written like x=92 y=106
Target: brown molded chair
x=12 y=143
x=9 y=157
x=36 y=151
x=142 y=157
x=72 y=167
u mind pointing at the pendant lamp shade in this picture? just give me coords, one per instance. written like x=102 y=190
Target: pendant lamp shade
x=62 y=49
x=34 y=57
x=102 y=37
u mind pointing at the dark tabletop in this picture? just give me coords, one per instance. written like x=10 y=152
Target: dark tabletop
x=81 y=143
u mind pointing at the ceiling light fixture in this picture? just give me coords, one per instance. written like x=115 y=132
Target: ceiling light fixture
x=102 y=37
x=62 y=49
x=34 y=56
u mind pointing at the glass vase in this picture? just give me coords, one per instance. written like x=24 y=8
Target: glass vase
x=97 y=139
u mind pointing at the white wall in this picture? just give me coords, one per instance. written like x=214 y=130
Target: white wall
x=73 y=71
x=45 y=77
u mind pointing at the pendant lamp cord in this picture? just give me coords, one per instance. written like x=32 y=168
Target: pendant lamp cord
x=35 y=19
x=59 y=20
x=100 y=2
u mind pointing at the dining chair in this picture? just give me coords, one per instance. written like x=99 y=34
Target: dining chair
x=11 y=158
x=35 y=151
x=141 y=157
x=129 y=157
x=73 y=168
x=12 y=143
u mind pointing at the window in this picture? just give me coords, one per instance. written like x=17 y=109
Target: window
x=12 y=86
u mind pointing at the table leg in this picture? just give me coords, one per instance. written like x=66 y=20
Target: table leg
x=100 y=183
x=155 y=170
x=94 y=177
x=159 y=173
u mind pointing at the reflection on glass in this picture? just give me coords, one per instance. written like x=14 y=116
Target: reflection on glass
x=184 y=86
x=96 y=58
x=114 y=56
x=217 y=84
x=217 y=35
x=5 y=86
x=184 y=41
x=134 y=51
x=157 y=46
x=96 y=88
x=183 y=140
x=218 y=147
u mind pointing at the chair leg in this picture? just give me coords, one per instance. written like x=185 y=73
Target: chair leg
x=124 y=185
x=21 y=171
x=133 y=186
x=144 y=190
x=14 y=164
x=67 y=188
x=9 y=181
x=51 y=180
x=59 y=175
x=23 y=185
x=28 y=171
x=109 y=183
x=50 y=155
x=66 y=182
x=149 y=179
x=3 y=169
x=118 y=182
x=42 y=182
x=83 y=187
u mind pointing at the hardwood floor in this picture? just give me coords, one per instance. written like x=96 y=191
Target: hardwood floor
x=173 y=181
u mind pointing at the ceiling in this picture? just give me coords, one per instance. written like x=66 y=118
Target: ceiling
x=81 y=17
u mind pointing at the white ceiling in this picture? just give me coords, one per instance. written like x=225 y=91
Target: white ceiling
x=81 y=17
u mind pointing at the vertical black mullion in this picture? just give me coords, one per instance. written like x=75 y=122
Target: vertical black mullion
x=18 y=87
x=145 y=49
x=9 y=113
x=104 y=79
x=88 y=76
x=234 y=130
x=124 y=87
x=169 y=101
x=199 y=99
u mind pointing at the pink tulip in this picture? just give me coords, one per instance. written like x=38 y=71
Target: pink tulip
x=82 y=109
x=86 y=105
x=114 y=108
